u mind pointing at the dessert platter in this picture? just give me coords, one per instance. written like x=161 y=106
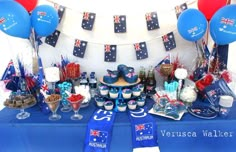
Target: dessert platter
x=21 y=102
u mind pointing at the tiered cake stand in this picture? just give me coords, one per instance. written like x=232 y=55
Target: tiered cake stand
x=120 y=84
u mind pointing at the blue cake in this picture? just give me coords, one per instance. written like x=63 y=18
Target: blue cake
x=112 y=77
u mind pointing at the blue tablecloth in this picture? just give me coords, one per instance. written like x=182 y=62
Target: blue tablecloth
x=38 y=134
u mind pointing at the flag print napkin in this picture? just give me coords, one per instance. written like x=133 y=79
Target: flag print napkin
x=119 y=23
x=141 y=50
x=152 y=21
x=88 y=20
x=52 y=39
x=110 y=53
x=169 y=41
x=180 y=8
x=79 y=48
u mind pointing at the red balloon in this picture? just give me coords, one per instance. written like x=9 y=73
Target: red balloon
x=209 y=7
x=29 y=5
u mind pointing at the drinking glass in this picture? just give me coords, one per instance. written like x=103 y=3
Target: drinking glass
x=75 y=107
x=53 y=106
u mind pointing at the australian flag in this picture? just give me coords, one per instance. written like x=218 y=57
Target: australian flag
x=145 y=129
x=52 y=39
x=60 y=10
x=119 y=23
x=166 y=60
x=141 y=50
x=169 y=41
x=41 y=77
x=9 y=72
x=110 y=53
x=98 y=136
x=79 y=48
x=180 y=8
x=88 y=20
x=152 y=21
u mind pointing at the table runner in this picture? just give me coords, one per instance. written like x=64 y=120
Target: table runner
x=144 y=131
x=99 y=131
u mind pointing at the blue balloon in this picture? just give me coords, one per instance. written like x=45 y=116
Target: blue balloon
x=223 y=25
x=14 y=19
x=44 y=20
x=192 y=24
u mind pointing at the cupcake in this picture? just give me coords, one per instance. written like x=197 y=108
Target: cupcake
x=132 y=104
x=104 y=90
x=100 y=101
x=108 y=105
x=113 y=92
x=141 y=87
x=140 y=101
x=126 y=93
x=122 y=106
x=136 y=91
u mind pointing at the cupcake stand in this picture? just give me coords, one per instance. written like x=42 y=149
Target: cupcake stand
x=120 y=85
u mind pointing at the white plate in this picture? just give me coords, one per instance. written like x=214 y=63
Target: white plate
x=151 y=111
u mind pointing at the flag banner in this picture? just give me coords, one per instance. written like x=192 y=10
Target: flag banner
x=99 y=131
x=119 y=23
x=60 y=10
x=144 y=129
x=141 y=50
x=88 y=20
x=180 y=8
x=52 y=39
x=169 y=41
x=110 y=53
x=79 y=48
x=152 y=21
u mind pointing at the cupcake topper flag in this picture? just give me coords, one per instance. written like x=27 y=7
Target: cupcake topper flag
x=180 y=74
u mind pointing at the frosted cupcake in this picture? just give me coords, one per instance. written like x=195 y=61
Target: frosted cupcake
x=132 y=104
x=126 y=93
x=108 y=105
x=136 y=91
x=122 y=106
x=140 y=101
x=104 y=90
x=141 y=86
x=100 y=101
x=113 y=93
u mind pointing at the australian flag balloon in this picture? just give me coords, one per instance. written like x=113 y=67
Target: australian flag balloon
x=189 y=28
x=223 y=25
